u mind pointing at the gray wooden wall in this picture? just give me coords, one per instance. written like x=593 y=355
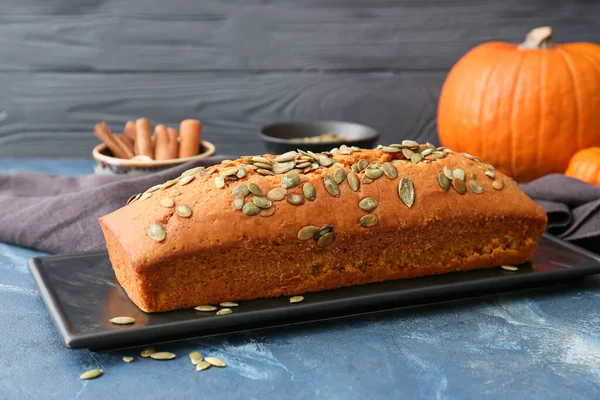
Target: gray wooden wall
x=239 y=64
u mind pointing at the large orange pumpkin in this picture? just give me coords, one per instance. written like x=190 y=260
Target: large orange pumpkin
x=524 y=108
x=585 y=166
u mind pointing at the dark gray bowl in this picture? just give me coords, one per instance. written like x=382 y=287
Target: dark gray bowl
x=278 y=137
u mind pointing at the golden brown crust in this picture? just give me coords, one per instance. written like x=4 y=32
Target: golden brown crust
x=221 y=254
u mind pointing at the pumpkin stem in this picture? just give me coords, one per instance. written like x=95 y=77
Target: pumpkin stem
x=538 y=38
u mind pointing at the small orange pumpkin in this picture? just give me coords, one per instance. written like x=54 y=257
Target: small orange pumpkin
x=585 y=166
x=524 y=108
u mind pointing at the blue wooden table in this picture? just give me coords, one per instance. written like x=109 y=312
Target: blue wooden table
x=535 y=345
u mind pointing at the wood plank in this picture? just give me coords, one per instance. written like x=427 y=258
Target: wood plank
x=52 y=114
x=185 y=35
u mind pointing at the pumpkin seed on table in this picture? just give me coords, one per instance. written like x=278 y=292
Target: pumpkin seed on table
x=290 y=180
x=389 y=170
x=202 y=365
x=250 y=209
x=476 y=187
x=157 y=232
x=353 y=181
x=406 y=191
x=147 y=352
x=295 y=199
x=459 y=173
x=326 y=239
x=128 y=359
x=219 y=182
x=309 y=191
x=183 y=211
x=91 y=374
x=289 y=156
x=229 y=304
x=167 y=202
x=262 y=202
x=224 y=311
x=205 y=308
x=267 y=212
x=215 y=362
x=368 y=204
x=241 y=189
x=296 y=299
x=195 y=357
x=498 y=184
x=307 y=232
x=122 y=320
x=339 y=175
x=373 y=173
x=459 y=185
x=163 y=355
x=511 y=268
x=368 y=220
x=331 y=187
x=444 y=181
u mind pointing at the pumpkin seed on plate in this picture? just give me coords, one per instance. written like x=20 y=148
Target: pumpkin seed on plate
x=205 y=308
x=91 y=374
x=276 y=194
x=183 y=211
x=476 y=187
x=295 y=199
x=216 y=362
x=219 y=182
x=255 y=189
x=368 y=220
x=267 y=212
x=331 y=187
x=290 y=180
x=202 y=365
x=167 y=202
x=339 y=175
x=228 y=304
x=309 y=191
x=148 y=351
x=498 y=184
x=122 y=320
x=444 y=181
x=373 y=173
x=163 y=355
x=250 y=209
x=389 y=170
x=406 y=191
x=128 y=359
x=241 y=189
x=459 y=185
x=296 y=299
x=307 y=232
x=195 y=357
x=157 y=232
x=262 y=202
x=509 y=268
x=224 y=311
x=368 y=204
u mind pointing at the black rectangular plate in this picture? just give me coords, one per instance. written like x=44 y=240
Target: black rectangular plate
x=81 y=294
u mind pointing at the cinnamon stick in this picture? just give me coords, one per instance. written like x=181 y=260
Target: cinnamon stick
x=143 y=138
x=119 y=150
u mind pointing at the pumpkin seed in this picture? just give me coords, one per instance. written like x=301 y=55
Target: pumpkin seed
x=444 y=181
x=509 y=268
x=282 y=168
x=205 y=308
x=326 y=239
x=427 y=152
x=309 y=191
x=396 y=145
x=307 y=232
x=186 y=180
x=262 y=160
x=459 y=185
x=490 y=167
x=255 y=189
x=167 y=202
x=416 y=158
x=476 y=187
x=448 y=173
x=262 y=202
x=91 y=374
x=145 y=196
x=407 y=153
x=262 y=171
x=174 y=192
x=353 y=181
x=276 y=194
x=406 y=190
x=229 y=304
x=264 y=166
x=332 y=188
x=241 y=190
x=289 y=156
x=339 y=175
x=447 y=151
x=228 y=172
x=290 y=180
x=133 y=198
x=459 y=173
x=366 y=180
x=122 y=320
x=345 y=150
x=219 y=182
x=373 y=173
x=368 y=204
x=195 y=357
x=216 y=362
x=157 y=232
x=170 y=183
x=354 y=168
x=183 y=211
x=148 y=351
x=389 y=149
x=224 y=311
x=295 y=199
x=363 y=164
x=498 y=184
x=267 y=212
x=154 y=188
x=238 y=202
x=128 y=359
x=368 y=220
x=250 y=209
x=410 y=143
x=303 y=164
x=241 y=172
x=326 y=161
x=296 y=299
x=490 y=174
x=163 y=355
x=191 y=172
x=467 y=155
x=389 y=170
x=202 y=365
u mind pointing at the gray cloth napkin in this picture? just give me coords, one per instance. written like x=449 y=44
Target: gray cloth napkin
x=58 y=214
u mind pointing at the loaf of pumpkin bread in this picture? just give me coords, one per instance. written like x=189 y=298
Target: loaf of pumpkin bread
x=301 y=222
